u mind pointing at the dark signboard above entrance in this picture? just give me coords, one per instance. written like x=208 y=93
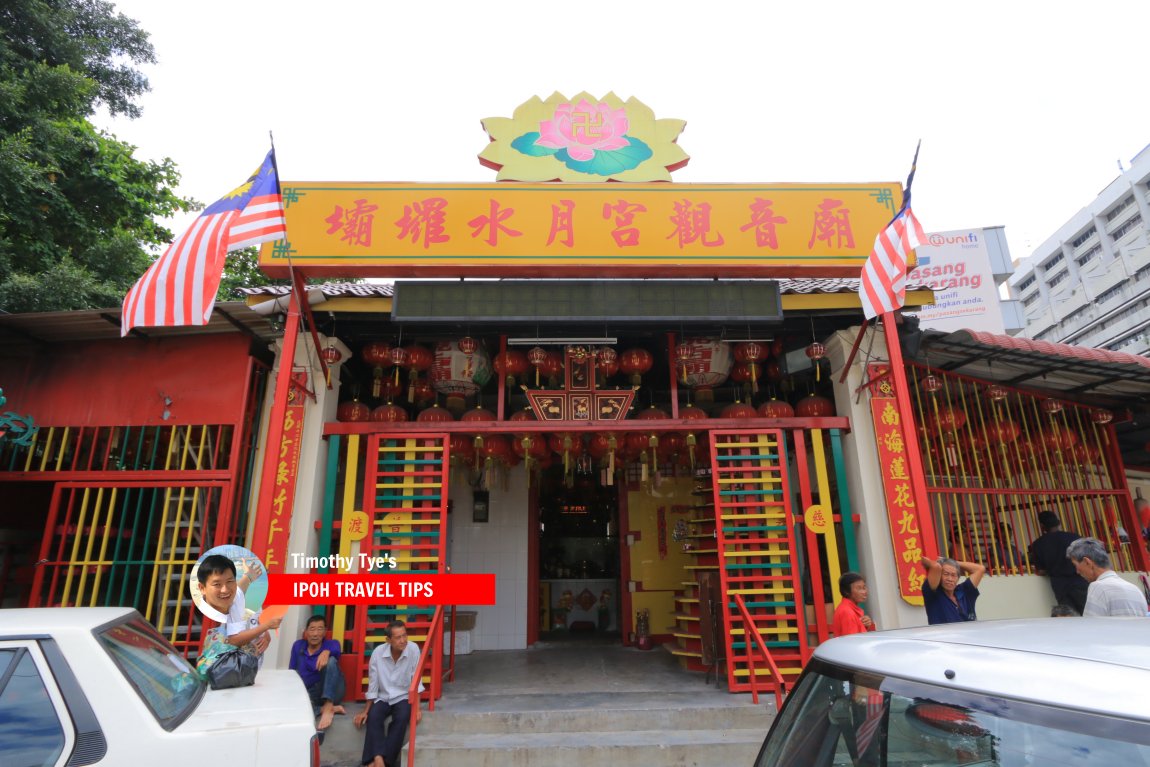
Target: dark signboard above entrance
x=533 y=301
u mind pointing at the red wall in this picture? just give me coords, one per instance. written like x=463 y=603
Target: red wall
x=108 y=383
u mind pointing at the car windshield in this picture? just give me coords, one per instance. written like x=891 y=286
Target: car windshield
x=839 y=718
x=164 y=680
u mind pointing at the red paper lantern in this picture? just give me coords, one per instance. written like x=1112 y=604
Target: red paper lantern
x=510 y=364
x=606 y=362
x=497 y=447
x=946 y=418
x=670 y=444
x=997 y=392
x=398 y=356
x=462 y=447
x=531 y=444
x=776 y=408
x=566 y=442
x=1051 y=406
x=434 y=414
x=478 y=414
x=537 y=356
x=1059 y=438
x=636 y=442
x=353 y=411
x=1101 y=417
x=652 y=414
x=739 y=410
x=389 y=413
x=468 y=345
x=749 y=351
x=419 y=358
x=931 y=383
x=1003 y=432
x=635 y=362
x=741 y=372
x=552 y=366
x=422 y=391
x=692 y=413
x=330 y=354
x=816 y=352
x=772 y=371
x=814 y=406
x=526 y=414
x=377 y=354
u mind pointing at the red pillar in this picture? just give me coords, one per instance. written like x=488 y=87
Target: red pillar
x=260 y=531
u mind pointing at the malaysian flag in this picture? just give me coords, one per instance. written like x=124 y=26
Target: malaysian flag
x=180 y=287
x=883 y=286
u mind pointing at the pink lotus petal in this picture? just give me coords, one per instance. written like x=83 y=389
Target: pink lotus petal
x=580 y=153
x=614 y=142
x=549 y=136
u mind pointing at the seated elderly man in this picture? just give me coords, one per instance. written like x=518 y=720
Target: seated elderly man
x=1108 y=594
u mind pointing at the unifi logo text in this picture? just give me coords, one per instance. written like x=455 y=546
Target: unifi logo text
x=970 y=238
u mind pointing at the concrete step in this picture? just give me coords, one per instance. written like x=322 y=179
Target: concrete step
x=676 y=748
x=590 y=712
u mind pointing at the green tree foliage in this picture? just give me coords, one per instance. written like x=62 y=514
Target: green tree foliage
x=242 y=271
x=77 y=210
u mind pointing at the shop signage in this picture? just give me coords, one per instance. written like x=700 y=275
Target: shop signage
x=569 y=230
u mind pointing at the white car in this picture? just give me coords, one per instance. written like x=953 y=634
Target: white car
x=1070 y=692
x=99 y=686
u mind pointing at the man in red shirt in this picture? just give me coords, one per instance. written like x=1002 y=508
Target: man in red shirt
x=849 y=616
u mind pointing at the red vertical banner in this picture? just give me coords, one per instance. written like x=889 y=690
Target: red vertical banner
x=902 y=513
x=274 y=553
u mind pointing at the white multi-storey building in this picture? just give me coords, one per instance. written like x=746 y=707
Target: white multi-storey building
x=1089 y=283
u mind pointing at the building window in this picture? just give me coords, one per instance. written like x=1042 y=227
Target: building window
x=1057 y=258
x=1030 y=299
x=1128 y=226
x=1121 y=207
x=1084 y=236
x=1109 y=294
x=1058 y=278
x=1026 y=283
x=1088 y=255
x=1068 y=319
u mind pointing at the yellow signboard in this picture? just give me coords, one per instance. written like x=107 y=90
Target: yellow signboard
x=578 y=230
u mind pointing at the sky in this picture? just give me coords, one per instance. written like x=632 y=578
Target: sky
x=1024 y=109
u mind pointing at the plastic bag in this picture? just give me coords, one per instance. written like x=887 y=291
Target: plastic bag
x=235 y=668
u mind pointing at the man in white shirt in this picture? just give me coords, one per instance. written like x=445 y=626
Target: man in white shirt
x=389 y=673
x=1108 y=594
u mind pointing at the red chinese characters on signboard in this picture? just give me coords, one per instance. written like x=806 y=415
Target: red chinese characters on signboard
x=425 y=222
x=904 y=530
x=693 y=223
x=283 y=492
x=832 y=225
x=763 y=221
x=354 y=224
x=493 y=224
x=563 y=223
x=625 y=233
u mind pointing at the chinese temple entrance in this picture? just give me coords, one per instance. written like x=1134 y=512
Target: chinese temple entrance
x=579 y=554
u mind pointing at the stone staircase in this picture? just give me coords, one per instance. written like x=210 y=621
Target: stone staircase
x=545 y=708
x=548 y=730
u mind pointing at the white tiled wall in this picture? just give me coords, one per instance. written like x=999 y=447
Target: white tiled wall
x=497 y=546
